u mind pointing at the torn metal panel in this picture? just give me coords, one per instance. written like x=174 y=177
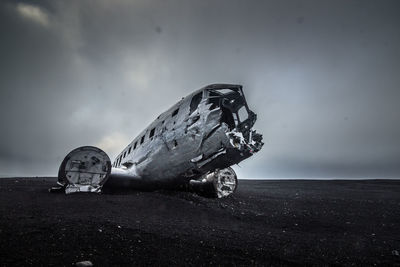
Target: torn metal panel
x=195 y=141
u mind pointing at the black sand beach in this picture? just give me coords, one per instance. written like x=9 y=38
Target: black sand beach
x=265 y=223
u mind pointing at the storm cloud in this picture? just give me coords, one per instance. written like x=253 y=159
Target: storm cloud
x=323 y=77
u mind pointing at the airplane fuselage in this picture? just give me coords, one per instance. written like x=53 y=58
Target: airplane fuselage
x=192 y=143
x=190 y=139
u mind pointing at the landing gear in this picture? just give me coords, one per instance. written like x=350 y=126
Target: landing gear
x=225 y=182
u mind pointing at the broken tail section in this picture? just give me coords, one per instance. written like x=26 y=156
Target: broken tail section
x=84 y=169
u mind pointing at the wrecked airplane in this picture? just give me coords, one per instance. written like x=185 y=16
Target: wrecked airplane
x=192 y=144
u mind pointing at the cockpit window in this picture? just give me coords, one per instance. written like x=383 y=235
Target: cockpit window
x=214 y=99
x=232 y=104
x=225 y=91
x=195 y=102
x=243 y=114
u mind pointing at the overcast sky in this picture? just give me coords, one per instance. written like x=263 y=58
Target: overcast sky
x=323 y=77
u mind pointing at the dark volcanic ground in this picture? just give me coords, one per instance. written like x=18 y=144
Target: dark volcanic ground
x=264 y=223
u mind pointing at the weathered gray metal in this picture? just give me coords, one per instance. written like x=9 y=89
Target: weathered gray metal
x=84 y=169
x=192 y=144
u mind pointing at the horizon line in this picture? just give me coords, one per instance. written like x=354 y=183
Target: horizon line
x=251 y=178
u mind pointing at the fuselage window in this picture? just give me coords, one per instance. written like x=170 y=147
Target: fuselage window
x=142 y=140
x=175 y=112
x=134 y=147
x=120 y=158
x=152 y=132
x=195 y=102
x=129 y=151
x=124 y=154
